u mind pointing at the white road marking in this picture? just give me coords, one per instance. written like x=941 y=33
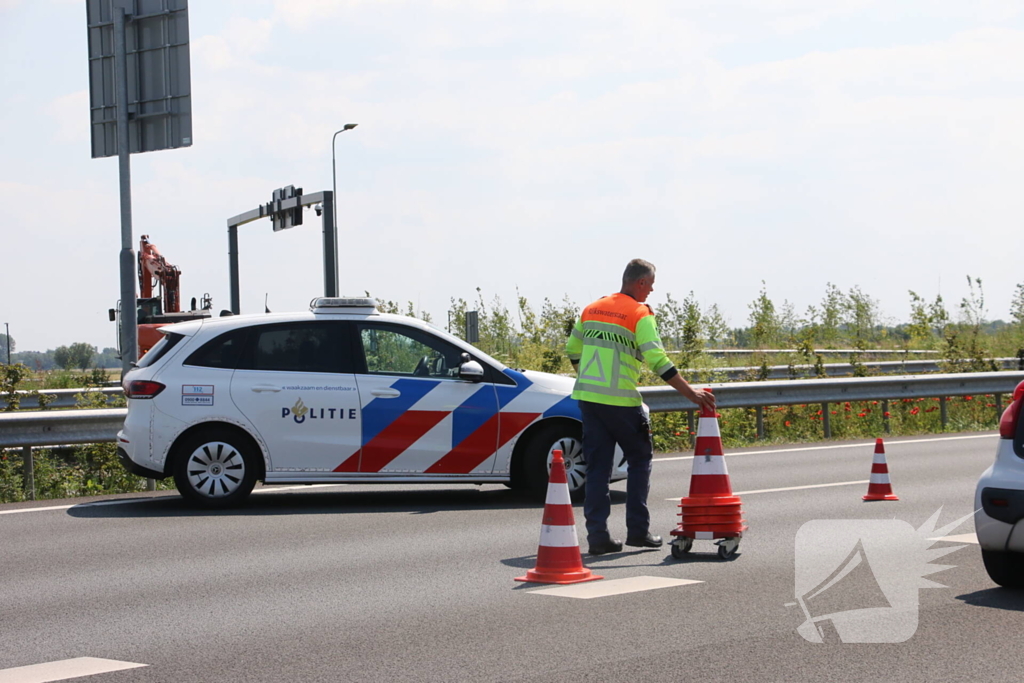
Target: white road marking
x=831 y=446
x=602 y=589
x=274 y=489
x=76 y=505
x=139 y=500
x=959 y=538
x=797 y=488
x=64 y=669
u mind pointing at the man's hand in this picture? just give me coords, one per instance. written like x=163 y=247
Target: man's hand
x=702 y=397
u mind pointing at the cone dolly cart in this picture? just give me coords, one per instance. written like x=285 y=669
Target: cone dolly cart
x=711 y=511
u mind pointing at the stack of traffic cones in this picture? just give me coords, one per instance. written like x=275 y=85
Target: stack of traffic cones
x=711 y=510
x=558 y=554
x=879 y=487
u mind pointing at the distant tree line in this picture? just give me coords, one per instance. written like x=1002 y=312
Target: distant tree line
x=529 y=338
x=77 y=356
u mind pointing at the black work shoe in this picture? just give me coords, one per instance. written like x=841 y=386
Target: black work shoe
x=648 y=541
x=609 y=546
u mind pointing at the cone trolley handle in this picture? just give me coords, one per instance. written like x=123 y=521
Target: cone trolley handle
x=711 y=511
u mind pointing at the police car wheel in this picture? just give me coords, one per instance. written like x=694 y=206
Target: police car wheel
x=215 y=468
x=540 y=450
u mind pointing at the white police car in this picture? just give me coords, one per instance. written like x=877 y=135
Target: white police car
x=340 y=394
x=999 y=500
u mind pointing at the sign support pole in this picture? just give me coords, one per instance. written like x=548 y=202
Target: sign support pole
x=129 y=306
x=330 y=246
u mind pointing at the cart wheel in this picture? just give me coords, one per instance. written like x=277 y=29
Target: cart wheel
x=727 y=547
x=681 y=547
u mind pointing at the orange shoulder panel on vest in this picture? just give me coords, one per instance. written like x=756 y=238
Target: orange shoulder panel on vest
x=619 y=309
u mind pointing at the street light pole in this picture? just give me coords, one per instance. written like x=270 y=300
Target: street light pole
x=8 y=327
x=334 y=191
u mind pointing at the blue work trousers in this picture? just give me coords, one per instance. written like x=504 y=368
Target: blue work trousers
x=603 y=427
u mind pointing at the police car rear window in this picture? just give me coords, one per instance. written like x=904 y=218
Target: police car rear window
x=160 y=350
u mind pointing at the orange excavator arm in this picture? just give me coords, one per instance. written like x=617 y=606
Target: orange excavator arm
x=153 y=267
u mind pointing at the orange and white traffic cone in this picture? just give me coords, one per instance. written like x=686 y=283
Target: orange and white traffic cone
x=879 y=487
x=558 y=554
x=711 y=511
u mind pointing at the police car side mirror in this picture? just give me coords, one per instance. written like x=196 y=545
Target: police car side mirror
x=471 y=371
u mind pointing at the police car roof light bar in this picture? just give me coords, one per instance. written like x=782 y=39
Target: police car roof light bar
x=325 y=304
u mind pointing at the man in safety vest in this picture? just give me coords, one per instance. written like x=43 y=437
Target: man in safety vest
x=612 y=337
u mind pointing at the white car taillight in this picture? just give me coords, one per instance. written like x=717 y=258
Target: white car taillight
x=141 y=388
x=1008 y=422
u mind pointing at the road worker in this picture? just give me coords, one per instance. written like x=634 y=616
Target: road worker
x=609 y=341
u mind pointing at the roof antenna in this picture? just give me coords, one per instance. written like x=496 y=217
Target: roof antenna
x=265 y=308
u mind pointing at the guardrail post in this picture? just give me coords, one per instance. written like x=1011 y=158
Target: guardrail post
x=151 y=484
x=885 y=415
x=689 y=429
x=943 y=412
x=826 y=421
x=759 y=413
x=30 y=473
x=999 y=407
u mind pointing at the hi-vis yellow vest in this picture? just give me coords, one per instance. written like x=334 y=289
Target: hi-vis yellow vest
x=611 y=338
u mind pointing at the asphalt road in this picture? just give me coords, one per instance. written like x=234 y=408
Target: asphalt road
x=354 y=583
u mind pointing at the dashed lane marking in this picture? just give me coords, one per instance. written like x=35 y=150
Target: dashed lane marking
x=64 y=669
x=796 y=488
x=834 y=446
x=604 y=588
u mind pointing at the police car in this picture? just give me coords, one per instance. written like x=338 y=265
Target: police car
x=340 y=394
x=999 y=501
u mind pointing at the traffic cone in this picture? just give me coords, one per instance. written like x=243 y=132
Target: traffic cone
x=558 y=554
x=711 y=510
x=879 y=487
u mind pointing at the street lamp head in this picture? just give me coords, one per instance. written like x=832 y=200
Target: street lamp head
x=350 y=126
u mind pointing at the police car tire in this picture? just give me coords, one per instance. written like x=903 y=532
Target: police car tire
x=535 y=460
x=1005 y=569
x=222 y=447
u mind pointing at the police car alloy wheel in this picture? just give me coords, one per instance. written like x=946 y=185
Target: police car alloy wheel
x=563 y=437
x=215 y=468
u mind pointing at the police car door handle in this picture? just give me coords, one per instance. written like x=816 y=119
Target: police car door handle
x=386 y=393
x=265 y=387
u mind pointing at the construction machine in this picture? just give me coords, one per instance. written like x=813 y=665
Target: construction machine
x=163 y=309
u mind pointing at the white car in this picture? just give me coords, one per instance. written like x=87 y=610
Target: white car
x=340 y=394
x=999 y=500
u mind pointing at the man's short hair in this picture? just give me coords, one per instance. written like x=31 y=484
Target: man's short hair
x=636 y=269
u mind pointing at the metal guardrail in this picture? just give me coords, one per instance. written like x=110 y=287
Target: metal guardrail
x=825 y=352
x=65 y=398
x=60 y=428
x=55 y=428
x=889 y=367
x=798 y=391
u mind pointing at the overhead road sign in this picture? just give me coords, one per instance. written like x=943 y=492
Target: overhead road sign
x=159 y=85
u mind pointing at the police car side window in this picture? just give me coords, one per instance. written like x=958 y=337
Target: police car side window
x=295 y=347
x=392 y=350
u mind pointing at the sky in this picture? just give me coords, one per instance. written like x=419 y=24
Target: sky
x=532 y=148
